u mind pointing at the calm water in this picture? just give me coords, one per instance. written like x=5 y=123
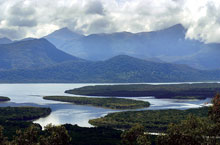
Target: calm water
x=31 y=95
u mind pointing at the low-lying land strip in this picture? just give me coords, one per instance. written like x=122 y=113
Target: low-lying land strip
x=23 y=113
x=2 y=99
x=152 y=120
x=173 y=91
x=112 y=103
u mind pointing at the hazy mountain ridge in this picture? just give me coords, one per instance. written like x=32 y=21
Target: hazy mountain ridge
x=169 y=45
x=206 y=58
x=121 y=69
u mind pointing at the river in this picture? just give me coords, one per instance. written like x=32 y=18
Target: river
x=31 y=95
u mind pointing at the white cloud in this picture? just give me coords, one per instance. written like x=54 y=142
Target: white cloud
x=37 y=18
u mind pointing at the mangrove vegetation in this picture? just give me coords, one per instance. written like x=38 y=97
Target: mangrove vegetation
x=3 y=99
x=112 y=103
x=173 y=91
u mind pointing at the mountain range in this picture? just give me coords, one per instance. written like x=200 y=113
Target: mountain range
x=158 y=56
x=168 y=45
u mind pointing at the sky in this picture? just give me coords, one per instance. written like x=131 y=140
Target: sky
x=37 y=18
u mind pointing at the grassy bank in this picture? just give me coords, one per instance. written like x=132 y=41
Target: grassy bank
x=112 y=103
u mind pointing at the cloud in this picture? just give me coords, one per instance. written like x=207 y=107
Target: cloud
x=94 y=7
x=21 y=22
x=101 y=26
x=11 y=33
x=19 y=9
x=21 y=15
x=37 y=18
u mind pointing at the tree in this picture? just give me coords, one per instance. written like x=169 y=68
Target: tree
x=29 y=136
x=55 y=135
x=3 y=140
x=195 y=130
x=189 y=132
x=214 y=112
x=143 y=140
x=52 y=135
x=135 y=136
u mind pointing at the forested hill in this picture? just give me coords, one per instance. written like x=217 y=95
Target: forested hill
x=31 y=54
x=121 y=68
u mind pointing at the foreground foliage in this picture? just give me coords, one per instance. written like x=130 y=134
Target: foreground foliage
x=195 y=130
x=135 y=136
x=93 y=135
x=112 y=103
x=62 y=135
x=52 y=135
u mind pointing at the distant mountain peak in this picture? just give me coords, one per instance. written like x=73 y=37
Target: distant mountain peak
x=5 y=40
x=26 y=39
x=61 y=36
x=65 y=32
x=176 y=28
x=179 y=26
x=123 y=57
x=65 y=29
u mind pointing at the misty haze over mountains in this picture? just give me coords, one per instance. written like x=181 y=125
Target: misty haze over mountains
x=168 y=45
x=157 y=56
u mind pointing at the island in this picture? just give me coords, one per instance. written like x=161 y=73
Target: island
x=172 y=91
x=152 y=120
x=111 y=103
x=3 y=99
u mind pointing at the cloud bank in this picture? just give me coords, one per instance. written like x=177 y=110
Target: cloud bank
x=36 y=18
